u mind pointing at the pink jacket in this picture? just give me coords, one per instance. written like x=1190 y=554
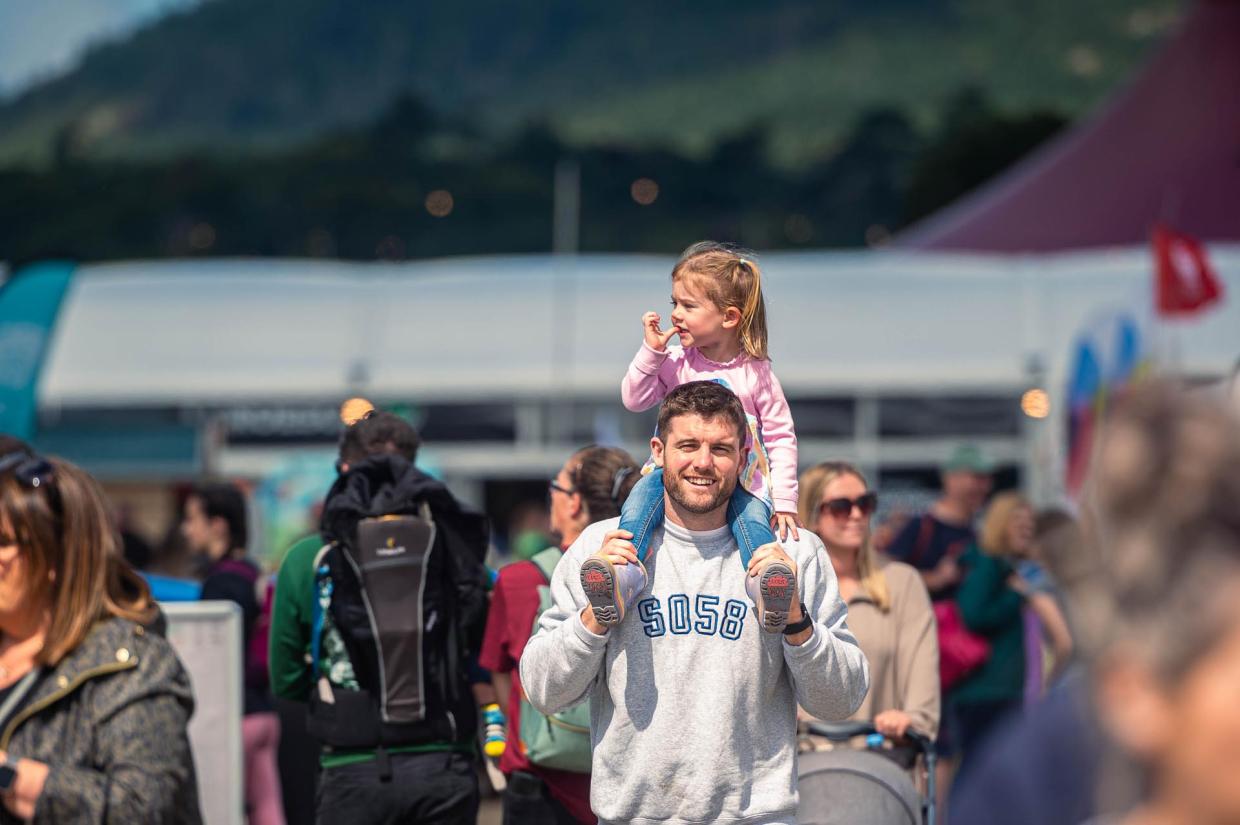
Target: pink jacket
x=654 y=374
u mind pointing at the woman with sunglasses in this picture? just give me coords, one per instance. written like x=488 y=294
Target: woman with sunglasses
x=93 y=705
x=888 y=606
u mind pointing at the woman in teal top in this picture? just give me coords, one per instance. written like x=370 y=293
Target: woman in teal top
x=991 y=598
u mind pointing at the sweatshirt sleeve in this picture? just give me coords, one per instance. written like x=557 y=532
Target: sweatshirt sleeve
x=917 y=649
x=829 y=673
x=778 y=436
x=289 y=636
x=650 y=377
x=563 y=659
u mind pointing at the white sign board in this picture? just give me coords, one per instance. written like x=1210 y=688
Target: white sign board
x=207 y=637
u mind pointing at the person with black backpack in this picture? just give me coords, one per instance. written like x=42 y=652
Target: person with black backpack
x=547 y=762
x=372 y=626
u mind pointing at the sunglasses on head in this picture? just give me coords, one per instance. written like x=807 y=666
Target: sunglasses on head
x=867 y=503
x=33 y=471
x=36 y=473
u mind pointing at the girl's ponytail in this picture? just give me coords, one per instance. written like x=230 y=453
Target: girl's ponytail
x=753 y=309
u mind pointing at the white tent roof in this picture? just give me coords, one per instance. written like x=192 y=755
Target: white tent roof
x=262 y=330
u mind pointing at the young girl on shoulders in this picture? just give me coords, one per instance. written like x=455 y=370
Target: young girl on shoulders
x=720 y=316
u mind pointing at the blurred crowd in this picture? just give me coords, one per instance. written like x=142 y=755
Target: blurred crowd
x=1067 y=665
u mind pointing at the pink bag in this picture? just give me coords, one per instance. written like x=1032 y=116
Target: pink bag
x=961 y=651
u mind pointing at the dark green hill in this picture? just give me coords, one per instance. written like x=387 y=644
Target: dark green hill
x=236 y=75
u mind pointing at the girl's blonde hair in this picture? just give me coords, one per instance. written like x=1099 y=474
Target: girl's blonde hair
x=994 y=535
x=812 y=484
x=731 y=278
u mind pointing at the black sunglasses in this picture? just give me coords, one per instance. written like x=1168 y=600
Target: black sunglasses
x=867 y=503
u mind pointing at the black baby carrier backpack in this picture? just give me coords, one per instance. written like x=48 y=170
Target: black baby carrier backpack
x=400 y=604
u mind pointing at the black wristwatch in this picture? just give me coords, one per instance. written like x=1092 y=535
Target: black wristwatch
x=804 y=624
x=8 y=775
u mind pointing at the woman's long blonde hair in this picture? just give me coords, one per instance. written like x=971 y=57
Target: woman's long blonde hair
x=812 y=484
x=730 y=277
x=993 y=538
x=73 y=556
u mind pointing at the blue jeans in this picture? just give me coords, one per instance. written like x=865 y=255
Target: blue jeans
x=642 y=514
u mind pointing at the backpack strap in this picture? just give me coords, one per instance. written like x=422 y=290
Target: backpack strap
x=546 y=560
x=316 y=611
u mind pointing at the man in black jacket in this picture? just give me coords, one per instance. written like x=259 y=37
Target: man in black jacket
x=375 y=637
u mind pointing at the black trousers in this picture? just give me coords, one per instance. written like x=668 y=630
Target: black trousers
x=429 y=788
x=528 y=802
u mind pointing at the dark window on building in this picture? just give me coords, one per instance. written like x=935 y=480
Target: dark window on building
x=947 y=416
x=467 y=422
x=597 y=422
x=823 y=417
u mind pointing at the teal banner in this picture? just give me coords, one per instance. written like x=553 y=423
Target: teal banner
x=29 y=304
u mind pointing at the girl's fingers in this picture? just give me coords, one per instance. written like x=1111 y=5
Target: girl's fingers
x=667 y=336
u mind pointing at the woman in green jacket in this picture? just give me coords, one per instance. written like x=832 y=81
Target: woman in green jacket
x=991 y=598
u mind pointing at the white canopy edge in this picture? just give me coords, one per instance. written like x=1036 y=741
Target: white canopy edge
x=272 y=330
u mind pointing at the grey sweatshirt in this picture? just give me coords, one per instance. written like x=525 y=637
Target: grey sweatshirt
x=693 y=714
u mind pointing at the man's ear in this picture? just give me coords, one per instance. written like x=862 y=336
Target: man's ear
x=656 y=451
x=731 y=317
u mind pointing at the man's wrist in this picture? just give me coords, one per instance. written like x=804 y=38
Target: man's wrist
x=798 y=625
x=592 y=624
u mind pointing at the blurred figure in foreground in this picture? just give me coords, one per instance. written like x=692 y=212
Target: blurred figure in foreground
x=93 y=704
x=1154 y=592
x=215 y=526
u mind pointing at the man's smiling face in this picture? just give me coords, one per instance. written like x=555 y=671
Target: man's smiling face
x=701 y=461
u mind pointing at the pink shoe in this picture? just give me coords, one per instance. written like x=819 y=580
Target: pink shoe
x=772 y=591
x=611 y=588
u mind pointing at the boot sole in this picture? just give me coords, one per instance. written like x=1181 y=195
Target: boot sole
x=598 y=580
x=777 y=584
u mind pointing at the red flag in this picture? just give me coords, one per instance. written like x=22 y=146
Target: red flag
x=1185 y=282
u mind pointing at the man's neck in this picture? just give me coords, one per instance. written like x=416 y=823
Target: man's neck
x=697 y=522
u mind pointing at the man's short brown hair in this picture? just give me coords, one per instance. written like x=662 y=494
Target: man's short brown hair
x=379 y=433
x=708 y=399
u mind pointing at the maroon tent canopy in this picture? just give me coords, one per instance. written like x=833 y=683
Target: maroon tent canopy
x=1167 y=148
